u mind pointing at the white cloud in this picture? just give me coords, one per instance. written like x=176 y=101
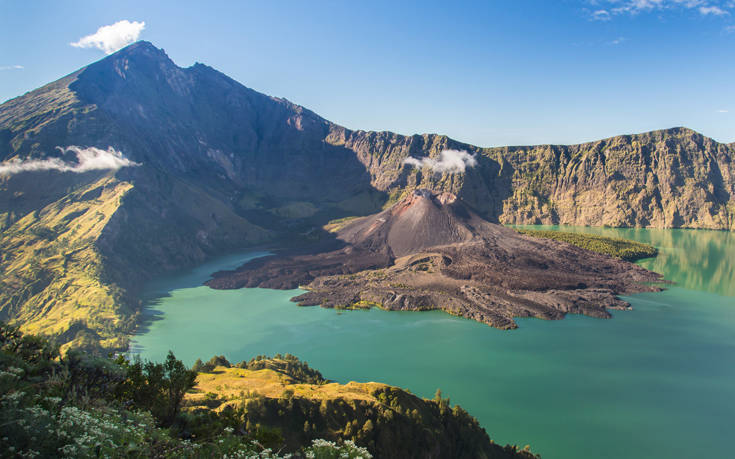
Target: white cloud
x=110 y=38
x=601 y=15
x=452 y=161
x=723 y=111
x=730 y=29
x=607 y=9
x=617 y=41
x=88 y=159
x=11 y=67
x=713 y=10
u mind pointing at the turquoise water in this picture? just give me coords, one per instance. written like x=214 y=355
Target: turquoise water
x=655 y=382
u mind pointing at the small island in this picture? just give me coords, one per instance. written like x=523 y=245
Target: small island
x=431 y=251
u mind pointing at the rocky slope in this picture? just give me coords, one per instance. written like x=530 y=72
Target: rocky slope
x=431 y=251
x=212 y=166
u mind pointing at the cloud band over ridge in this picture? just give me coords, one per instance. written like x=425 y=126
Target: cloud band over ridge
x=452 y=161
x=88 y=159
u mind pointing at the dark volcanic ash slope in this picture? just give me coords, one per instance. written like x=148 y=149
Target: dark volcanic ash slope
x=430 y=251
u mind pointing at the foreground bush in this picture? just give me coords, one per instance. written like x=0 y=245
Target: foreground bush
x=86 y=407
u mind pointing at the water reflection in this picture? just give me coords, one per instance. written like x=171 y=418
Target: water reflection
x=695 y=259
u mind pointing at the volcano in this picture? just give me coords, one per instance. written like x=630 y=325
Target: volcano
x=432 y=251
x=214 y=167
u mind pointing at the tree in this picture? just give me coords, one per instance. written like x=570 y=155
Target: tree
x=178 y=380
x=157 y=387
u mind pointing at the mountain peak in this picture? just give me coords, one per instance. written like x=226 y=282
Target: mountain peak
x=140 y=48
x=139 y=72
x=424 y=218
x=136 y=57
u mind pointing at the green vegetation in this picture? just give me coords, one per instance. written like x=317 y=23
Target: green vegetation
x=337 y=224
x=81 y=406
x=77 y=406
x=395 y=195
x=276 y=396
x=615 y=247
x=288 y=365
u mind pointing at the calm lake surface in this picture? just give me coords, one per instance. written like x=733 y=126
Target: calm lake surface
x=655 y=382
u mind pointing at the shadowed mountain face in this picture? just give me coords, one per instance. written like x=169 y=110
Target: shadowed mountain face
x=430 y=251
x=221 y=167
x=195 y=123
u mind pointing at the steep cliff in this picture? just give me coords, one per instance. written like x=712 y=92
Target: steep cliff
x=674 y=178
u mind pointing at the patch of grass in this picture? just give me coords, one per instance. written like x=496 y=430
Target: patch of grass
x=365 y=304
x=396 y=195
x=267 y=382
x=338 y=223
x=614 y=247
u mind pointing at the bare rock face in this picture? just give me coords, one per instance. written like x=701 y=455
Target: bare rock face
x=673 y=178
x=430 y=251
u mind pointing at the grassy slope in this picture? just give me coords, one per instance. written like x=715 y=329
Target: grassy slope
x=615 y=247
x=73 y=267
x=51 y=271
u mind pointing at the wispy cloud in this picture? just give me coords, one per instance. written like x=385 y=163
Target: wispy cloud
x=617 y=41
x=713 y=10
x=601 y=15
x=11 y=67
x=88 y=159
x=112 y=37
x=723 y=111
x=605 y=10
x=729 y=29
x=452 y=161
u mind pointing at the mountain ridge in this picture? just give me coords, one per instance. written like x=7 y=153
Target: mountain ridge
x=224 y=167
x=381 y=155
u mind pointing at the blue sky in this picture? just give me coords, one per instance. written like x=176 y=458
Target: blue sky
x=487 y=73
